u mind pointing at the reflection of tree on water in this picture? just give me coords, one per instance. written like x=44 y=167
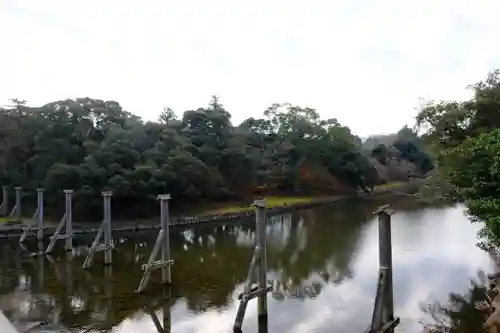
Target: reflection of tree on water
x=284 y=289
x=460 y=314
x=306 y=251
x=318 y=250
x=24 y=301
x=74 y=298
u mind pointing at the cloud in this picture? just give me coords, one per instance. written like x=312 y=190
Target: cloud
x=350 y=60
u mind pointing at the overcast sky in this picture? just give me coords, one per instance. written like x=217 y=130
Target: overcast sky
x=364 y=62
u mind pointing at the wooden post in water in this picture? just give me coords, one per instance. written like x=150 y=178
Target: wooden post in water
x=163 y=243
x=383 y=319
x=40 y=222
x=260 y=219
x=385 y=258
x=4 y=206
x=37 y=219
x=67 y=223
x=104 y=229
x=69 y=220
x=19 y=194
x=259 y=263
x=108 y=255
x=166 y=273
x=16 y=212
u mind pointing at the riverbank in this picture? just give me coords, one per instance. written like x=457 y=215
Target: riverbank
x=276 y=205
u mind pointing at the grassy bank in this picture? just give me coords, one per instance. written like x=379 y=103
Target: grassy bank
x=281 y=201
x=391 y=186
x=272 y=201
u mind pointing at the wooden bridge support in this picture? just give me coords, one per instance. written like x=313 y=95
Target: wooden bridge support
x=105 y=230
x=383 y=319
x=67 y=223
x=15 y=214
x=163 y=243
x=258 y=264
x=37 y=219
x=4 y=206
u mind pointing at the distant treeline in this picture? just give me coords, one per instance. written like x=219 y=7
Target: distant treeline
x=92 y=145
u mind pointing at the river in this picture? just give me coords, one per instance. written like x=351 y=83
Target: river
x=325 y=262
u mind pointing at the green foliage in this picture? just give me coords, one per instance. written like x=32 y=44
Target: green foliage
x=92 y=145
x=405 y=145
x=467 y=137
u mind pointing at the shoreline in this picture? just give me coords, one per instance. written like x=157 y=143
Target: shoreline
x=82 y=228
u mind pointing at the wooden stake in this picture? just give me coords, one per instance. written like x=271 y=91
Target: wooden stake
x=163 y=243
x=36 y=219
x=104 y=229
x=66 y=222
x=69 y=220
x=383 y=313
x=40 y=222
x=107 y=228
x=260 y=218
x=259 y=263
x=4 y=206
x=166 y=274
x=15 y=214
x=385 y=259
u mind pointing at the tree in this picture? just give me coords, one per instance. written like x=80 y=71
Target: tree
x=166 y=115
x=466 y=136
x=91 y=145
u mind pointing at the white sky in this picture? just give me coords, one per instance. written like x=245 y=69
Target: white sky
x=364 y=62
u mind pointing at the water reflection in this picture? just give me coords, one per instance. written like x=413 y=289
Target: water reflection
x=458 y=314
x=323 y=265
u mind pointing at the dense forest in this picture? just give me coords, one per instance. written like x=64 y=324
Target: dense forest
x=465 y=135
x=92 y=145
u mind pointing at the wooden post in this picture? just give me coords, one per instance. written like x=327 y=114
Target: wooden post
x=16 y=212
x=163 y=243
x=66 y=222
x=107 y=228
x=104 y=229
x=166 y=274
x=260 y=218
x=40 y=222
x=385 y=259
x=4 y=206
x=36 y=219
x=69 y=220
x=259 y=263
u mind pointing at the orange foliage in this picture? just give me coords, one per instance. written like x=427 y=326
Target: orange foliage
x=317 y=179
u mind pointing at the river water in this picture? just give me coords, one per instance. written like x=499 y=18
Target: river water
x=324 y=262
